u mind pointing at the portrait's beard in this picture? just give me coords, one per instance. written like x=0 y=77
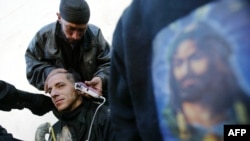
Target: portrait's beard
x=214 y=90
x=195 y=88
x=193 y=92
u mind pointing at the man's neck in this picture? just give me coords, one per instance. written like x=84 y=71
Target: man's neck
x=69 y=115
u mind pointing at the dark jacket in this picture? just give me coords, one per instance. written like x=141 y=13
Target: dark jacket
x=5 y=136
x=79 y=121
x=12 y=98
x=132 y=101
x=47 y=51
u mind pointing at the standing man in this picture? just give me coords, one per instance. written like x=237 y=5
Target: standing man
x=72 y=44
x=131 y=93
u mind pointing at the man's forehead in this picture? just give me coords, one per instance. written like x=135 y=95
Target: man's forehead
x=82 y=26
x=56 y=78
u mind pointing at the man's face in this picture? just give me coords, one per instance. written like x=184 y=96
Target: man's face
x=73 y=32
x=190 y=67
x=63 y=93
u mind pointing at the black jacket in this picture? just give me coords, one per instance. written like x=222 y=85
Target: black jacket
x=12 y=98
x=45 y=52
x=78 y=122
x=5 y=136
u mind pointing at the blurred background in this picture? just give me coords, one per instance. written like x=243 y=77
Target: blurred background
x=19 y=21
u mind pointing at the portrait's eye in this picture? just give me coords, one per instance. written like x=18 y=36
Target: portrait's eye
x=197 y=56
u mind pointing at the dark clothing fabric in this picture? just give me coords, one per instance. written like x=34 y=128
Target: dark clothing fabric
x=79 y=121
x=49 y=50
x=12 y=98
x=131 y=95
x=5 y=136
x=77 y=12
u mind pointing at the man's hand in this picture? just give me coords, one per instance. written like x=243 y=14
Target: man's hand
x=95 y=83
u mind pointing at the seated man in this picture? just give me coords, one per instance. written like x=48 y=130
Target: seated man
x=79 y=117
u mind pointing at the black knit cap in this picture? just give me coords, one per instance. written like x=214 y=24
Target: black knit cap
x=75 y=11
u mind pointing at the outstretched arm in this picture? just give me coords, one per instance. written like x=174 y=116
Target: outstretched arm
x=12 y=98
